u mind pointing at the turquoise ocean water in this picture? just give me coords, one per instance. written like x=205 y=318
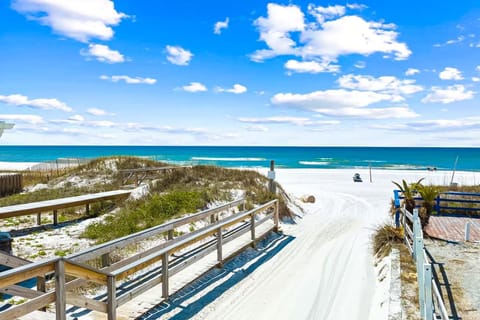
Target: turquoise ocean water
x=285 y=157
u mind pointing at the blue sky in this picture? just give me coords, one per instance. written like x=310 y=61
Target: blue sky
x=374 y=73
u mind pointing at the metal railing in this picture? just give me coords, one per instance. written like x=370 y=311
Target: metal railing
x=431 y=301
x=111 y=276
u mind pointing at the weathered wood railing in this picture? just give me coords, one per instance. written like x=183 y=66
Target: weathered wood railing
x=56 y=204
x=111 y=276
x=431 y=302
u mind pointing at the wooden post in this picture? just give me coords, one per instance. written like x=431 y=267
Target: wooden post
x=437 y=204
x=41 y=288
x=105 y=260
x=55 y=217
x=219 y=246
x=276 y=217
x=60 y=294
x=165 y=276
x=112 y=298
x=87 y=209
x=39 y=219
x=467 y=231
x=271 y=178
x=252 y=229
x=170 y=234
x=427 y=277
x=421 y=281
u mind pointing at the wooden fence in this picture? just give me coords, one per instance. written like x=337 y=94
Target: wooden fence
x=196 y=245
x=10 y=183
x=431 y=301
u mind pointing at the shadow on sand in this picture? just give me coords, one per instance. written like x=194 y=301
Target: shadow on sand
x=235 y=270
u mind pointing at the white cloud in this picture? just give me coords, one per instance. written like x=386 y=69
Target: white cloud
x=333 y=98
x=449 y=94
x=311 y=66
x=449 y=42
x=129 y=80
x=360 y=65
x=99 y=112
x=326 y=13
x=179 y=56
x=369 y=113
x=103 y=53
x=435 y=125
x=386 y=84
x=450 y=73
x=45 y=104
x=102 y=123
x=477 y=68
x=297 y=121
x=195 y=87
x=28 y=118
x=411 y=71
x=79 y=20
x=219 y=25
x=356 y=6
x=325 y=40
x=77 y=118
x=257 y=128
x=236 y=89
x=475 y=79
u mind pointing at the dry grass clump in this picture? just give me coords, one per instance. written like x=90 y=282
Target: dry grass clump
x=384 y=237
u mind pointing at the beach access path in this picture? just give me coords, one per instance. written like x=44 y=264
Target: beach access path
x=327 y=271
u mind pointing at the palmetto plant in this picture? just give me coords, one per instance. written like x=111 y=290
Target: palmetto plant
x=408 y=192
x=429 y=194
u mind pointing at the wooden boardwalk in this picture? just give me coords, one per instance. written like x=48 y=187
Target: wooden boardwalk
x=453 y=228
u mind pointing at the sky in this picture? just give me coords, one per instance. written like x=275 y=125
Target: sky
x=293 y=73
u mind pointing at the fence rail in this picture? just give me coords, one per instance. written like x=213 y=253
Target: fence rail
x=432 y=305
x=110 y=275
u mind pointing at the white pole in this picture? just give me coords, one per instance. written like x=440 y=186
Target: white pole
x=467 y=231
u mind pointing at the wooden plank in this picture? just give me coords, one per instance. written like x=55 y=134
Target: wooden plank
x=49 y=205
x=165 y=276
x=84 y=302
x=60 y=293
x=111 y=298
x=85 y=272
x=22 y=273
x=127 y=240
x=138 y=290
x=27 y=307
x=12 y=261
x=219 y=245
x=16 y=290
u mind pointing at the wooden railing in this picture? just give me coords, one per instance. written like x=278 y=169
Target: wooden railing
x=56 y=204
x=431 y=301
x=110 y=276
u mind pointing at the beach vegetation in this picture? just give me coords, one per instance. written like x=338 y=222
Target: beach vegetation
x=384 y=237
x=408 y=191
x=429 y=194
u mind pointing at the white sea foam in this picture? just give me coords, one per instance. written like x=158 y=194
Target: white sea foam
x=314 y=163
x=226 y=159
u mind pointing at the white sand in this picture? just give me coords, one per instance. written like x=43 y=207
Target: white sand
x=327 y=272
x=16 y=166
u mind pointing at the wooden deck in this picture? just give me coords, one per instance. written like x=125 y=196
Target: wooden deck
x=54 y=205
x=453 y=228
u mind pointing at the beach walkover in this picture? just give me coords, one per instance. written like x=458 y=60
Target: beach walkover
x=56 y=204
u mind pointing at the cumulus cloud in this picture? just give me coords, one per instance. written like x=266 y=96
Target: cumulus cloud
x=450 y=73
x=386 y=84
x=195 y=87
x=333 y=98
x=28 y=118
x=236 y=89
x=311 y=66
x=179 y=56
x=45 y=104
x=435 y=125
x=332 y=35
x=98 y=112
x=411 y=71
x=79 y=20
x=257 y=128
x=369 y=113
x=219 y=25
x=129 y=80
x=103 y=53
x=449 y=94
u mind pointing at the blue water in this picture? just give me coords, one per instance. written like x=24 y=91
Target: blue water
x=286 y=157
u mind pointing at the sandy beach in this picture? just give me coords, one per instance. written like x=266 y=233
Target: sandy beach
x=327 y=272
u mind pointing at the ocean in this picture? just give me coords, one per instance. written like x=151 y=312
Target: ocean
x=285 y=157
